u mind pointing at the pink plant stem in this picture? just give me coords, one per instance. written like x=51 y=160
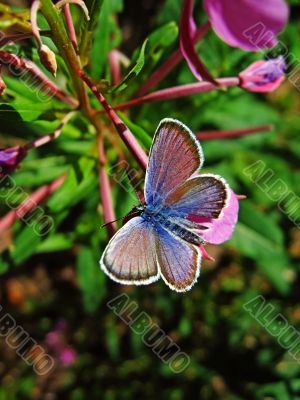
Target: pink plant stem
x=121 y=128
x=115 y=70
x=33 y=18
x=14 y=38
x=22 y=68
x=171 y=63
x=70 y=27
x=212 y=135
x=51 y=136
x=105 y=192
x=30 y=203
x=179 y=91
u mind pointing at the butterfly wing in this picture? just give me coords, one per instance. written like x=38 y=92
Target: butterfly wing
x=204 y=196
x=130 y=256
x=174 y=156
x=179 y=261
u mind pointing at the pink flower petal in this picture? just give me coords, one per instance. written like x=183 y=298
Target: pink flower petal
x=248 y=24
x=221 y=229
x=187 y=31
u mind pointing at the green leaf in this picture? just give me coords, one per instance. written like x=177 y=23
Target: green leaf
x=63 y=197
x=57 y=242
x=258 y=237
x=138 y=131
x=25 y=244
x=3 y=266
x=276 y=391
x=134 y=72
x=87 y=28
x=28 y=98
x=76 y=186
x=91 y=279
x=157 y=44
x=106 y=37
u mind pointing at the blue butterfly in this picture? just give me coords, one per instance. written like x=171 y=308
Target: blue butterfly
x=163 y=238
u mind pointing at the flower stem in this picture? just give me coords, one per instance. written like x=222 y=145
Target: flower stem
x=123 y=131
x=170 y=63
x=115 y=70
x=105 y=191
x=179 y=91
x=66 y=49
x=70 y=27
x=30 y=203
x=51 y=136
x=212 y=135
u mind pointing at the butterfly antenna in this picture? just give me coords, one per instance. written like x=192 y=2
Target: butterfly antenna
x=132 y=212
x=111 y=222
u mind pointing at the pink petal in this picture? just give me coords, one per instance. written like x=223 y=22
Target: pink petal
x=221 y=229
x=248 y=24
x=187 y=31
x=263 y=76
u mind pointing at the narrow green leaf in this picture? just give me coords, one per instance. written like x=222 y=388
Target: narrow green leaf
x=25 y=244
x=134 y=72
x=87 y=28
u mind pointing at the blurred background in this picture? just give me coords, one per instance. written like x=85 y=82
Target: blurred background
x=55 y=290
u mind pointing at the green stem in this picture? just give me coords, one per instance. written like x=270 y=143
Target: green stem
x=66 y=49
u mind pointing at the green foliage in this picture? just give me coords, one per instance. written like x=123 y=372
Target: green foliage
x=57 y=275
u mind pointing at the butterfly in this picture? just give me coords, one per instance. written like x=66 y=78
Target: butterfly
x=163 y=239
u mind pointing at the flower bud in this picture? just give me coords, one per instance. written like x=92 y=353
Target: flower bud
x=263 y=76
x=10 y=158
x=2 y=86
x=48 y=59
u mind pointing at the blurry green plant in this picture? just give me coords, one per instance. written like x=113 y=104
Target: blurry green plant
x=56 y=164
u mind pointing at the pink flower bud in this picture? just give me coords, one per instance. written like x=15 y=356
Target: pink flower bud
x=2 y=86
x=10 y=158
x=48 y=59
x=263 y=76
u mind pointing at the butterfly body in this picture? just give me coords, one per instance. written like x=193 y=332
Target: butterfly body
x=162 y=237
x=161 y=220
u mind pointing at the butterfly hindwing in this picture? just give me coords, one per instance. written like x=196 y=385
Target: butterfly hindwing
x=130 y=256
x=179 y=261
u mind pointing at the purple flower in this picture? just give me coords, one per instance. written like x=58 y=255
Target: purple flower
x=10 y=158
x=67 y=356
x=263 y=76
x=247 y=24
x=56 y=341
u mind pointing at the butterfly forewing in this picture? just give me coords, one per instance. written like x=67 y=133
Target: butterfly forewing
x=175 y=155
x=130 y=256
x=203 y=196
